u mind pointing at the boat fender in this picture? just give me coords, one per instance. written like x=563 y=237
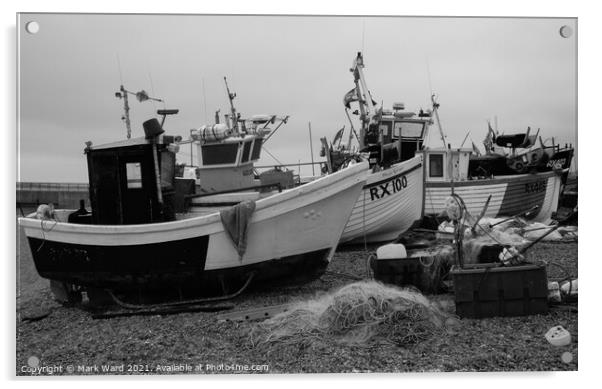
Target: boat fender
x=45 y=212
x=569 y=287
x=518 y=166
x=173 y=147
x=189 y=173
x=453 y=209
x=391 y=251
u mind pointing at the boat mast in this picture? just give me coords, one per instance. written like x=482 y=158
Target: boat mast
x=363 y=94
x=436 y=112
x=231 y=97
x=311 y=150
x=351 y=131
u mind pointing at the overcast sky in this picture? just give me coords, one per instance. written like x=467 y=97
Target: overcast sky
x=520 y=70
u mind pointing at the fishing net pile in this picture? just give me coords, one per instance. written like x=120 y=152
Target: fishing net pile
x=356 y=314
x=519 y=231
x=515 y=232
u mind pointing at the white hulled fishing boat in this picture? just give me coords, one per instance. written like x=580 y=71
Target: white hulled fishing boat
x=391 y=200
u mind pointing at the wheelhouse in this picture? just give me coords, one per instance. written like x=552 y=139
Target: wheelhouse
x=125 y=179
x=397 y=136
x=447 y=164
x=233 y=152
x=229 y=163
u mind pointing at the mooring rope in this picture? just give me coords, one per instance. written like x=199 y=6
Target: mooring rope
x=44 y=231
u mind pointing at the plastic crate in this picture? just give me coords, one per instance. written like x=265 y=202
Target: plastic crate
x=490 y=253
x=407 y=272
x=487 y=291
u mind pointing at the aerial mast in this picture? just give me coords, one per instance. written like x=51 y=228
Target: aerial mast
x=140 y=96
x=126 y=110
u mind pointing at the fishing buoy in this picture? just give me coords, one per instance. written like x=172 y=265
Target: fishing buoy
x=214 y=133
x=452 y=208
x=45 y=212
x=558 y=336
x=189 y=173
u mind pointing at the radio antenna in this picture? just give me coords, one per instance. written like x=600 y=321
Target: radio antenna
x=428 y=74
x=204 y=99
x=119 y=68
x=153 y=91
x=363 y=34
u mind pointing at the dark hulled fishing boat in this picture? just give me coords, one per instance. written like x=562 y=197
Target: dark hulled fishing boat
x=133 y=240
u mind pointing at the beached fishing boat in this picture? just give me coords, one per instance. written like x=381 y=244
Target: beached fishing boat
x=391 y=200
x=534 y=195
x=389 y=203
x=526 y=184
x=134 y=240
x=393 y=141
x=510 y=154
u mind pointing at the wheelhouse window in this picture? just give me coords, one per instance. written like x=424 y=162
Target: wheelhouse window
x=409 y=129
x=246 y=151
x=385 y=128
x=436 y=165
x=133 y=171
x=256 y=149
x=219 y=154
x=168 y=169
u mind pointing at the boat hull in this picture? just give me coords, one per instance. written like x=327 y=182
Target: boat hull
x=510 y=195
x=179 y=263
x=389 y=203
x=289 y=233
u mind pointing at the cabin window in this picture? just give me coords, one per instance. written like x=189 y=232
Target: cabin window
x=409 y=129
x=436 y=165
x=168 y=169
x=385 y=128
x=219 y=154
x=246 y=151
x=133 y=172
x=256 y=149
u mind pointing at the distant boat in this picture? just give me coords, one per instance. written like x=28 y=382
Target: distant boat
x=510 y=154
x=526 y=184
x=447 y=171
x=391 y=201
x=227 y=150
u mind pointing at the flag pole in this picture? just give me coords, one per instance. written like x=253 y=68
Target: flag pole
x=311 y=150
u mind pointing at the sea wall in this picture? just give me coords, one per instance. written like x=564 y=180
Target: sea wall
x=63 y=195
